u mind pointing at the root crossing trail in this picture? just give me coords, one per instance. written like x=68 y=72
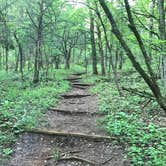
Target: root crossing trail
x=69 y=135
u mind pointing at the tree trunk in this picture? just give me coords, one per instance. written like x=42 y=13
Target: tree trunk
x=6 y=57
x=101 y=50
x=36 y=64
x=151 y=26
x=111 y=64
x=17 y=62
x=67 y=63
x=162 y=31
x=93 y=44
x=152 y=85
x=0 y=59
x=20 y=55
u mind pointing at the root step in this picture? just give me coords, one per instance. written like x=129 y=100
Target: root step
x=75 y=112
x=68 y=134
x=75 y=96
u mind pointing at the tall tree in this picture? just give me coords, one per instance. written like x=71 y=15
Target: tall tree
x=148 y=79
x=93 y=43
x=162 y=31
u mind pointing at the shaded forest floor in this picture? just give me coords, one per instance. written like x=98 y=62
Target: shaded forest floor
x=69 y=135
x=91 y=125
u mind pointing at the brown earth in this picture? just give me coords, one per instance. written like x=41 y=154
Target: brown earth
x=75 y=138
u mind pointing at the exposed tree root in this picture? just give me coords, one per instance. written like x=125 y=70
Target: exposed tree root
x=67 y=134
x=105 y=162
x=78 y=74
x=75 y=112
x=75 y=158
x=79 y=87
x=75 y=96
x=73 y=79
x=82 y=84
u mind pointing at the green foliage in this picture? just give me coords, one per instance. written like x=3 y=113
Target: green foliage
x=22 y=104
x=56 y=154
x=132 y=124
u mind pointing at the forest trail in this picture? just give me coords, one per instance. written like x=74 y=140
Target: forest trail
x=69 y=135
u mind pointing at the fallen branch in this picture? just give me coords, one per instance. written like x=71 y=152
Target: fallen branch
x=139 y=93
x=75 y=96
x=67 y=134
x=78 y=159
x=75 y=112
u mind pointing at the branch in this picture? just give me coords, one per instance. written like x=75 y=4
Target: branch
x=145 y=15
x=35 y=25
x=139 y=93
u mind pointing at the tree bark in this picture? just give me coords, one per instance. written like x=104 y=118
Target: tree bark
x=6 y=57
x=38 y=59
x=20 y=55
x=162 y=32
x=93 y=44
x=101 y=50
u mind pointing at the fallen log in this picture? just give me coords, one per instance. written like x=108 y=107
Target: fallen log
x=67 y=112
x=75 y=96
x=68 y=134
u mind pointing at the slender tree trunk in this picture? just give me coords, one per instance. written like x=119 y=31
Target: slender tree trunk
x=162 y=30
x=101 y=49
x=151 y=26
x=111 y=64
x=6 y=57
x=17 y=61
x=0 y=59
x=38 y=56
x=67 y=59
x=20 y=55
x=3 y=54
x=120 y=59
x=36 y=64
x=93 y=44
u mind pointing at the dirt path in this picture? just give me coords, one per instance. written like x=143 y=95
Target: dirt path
x=69 y=135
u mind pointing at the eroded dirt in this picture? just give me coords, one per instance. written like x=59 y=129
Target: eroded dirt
x=34 y=149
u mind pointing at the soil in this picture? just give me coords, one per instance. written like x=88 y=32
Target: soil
x=34 y=149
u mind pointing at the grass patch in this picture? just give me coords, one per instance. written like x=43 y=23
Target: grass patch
x=131 y=122
x=22 y=104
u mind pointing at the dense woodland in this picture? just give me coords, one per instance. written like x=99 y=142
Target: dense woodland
x=119 y=44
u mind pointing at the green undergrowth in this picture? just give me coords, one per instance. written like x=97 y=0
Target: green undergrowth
x=22 y=104
x=131 y=120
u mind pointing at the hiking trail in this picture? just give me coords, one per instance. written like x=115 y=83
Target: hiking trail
x=69 y=134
